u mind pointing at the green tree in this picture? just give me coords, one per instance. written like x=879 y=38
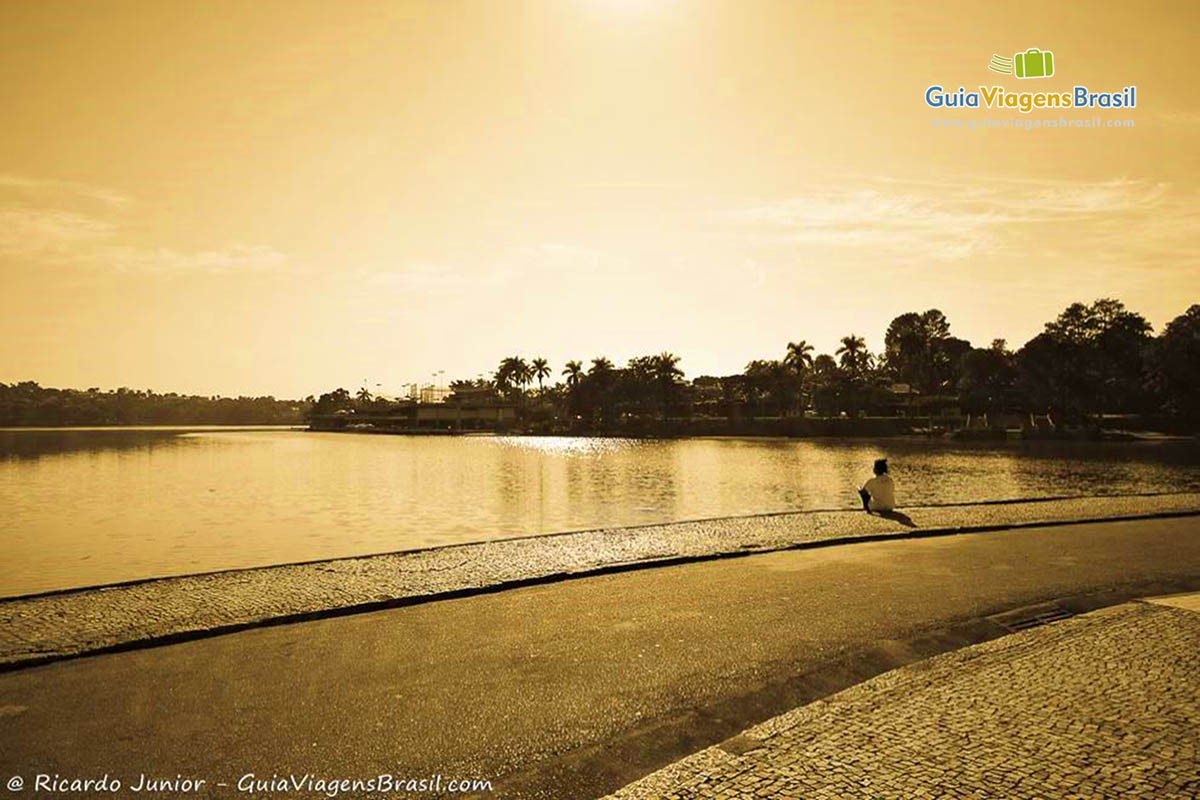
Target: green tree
x=574 y=375
x=506 y=374
x=513 y=374
x=541 y=370
x=855 y=364
x=824 y=365
x=773 y=381
x=573 y=372
x=826 y=384
x=1175 y=366
x=853 y=356
x=600 y=380
x=919 y=350
x=988 y=380
x=523 y=373
x=667 y=376
x=799 y=359
x=799 y=356
x=1090 y=359
x=331 y=402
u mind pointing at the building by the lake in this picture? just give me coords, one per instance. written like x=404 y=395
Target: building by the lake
x=463 y=409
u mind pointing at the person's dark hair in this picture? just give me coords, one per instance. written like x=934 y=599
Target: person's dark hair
x=880 y=466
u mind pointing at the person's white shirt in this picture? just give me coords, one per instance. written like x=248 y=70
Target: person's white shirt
x=883 y=492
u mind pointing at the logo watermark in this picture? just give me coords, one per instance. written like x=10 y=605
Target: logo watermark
x=1031 y=124
x=307 y=785
x=1031 y=63
x=997 y=97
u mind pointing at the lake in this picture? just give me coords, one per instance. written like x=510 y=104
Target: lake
x=89 y=506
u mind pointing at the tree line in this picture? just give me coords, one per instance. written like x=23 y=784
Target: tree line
x=1092 y=359
x=29 y=404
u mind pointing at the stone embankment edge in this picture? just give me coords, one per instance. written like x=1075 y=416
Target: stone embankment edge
x=193 y=634
x=698 y=520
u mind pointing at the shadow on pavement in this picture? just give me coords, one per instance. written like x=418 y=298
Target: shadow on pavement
x=898 y=516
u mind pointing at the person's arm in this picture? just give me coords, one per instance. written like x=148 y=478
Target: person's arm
x=866 y=498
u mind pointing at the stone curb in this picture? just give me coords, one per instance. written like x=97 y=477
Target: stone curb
x=51 y=627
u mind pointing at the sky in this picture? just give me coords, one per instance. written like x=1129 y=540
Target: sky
x=287 y=197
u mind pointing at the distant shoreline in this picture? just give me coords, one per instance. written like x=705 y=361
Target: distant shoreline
x=183 y=426
x=838 y=431
x=1011 y=437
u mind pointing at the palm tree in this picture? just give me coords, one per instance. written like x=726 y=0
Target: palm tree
x=541 y=370
x=574 y=372
x=853 y=355
x=364 y=395
x=524 y=374
x=600 y=366
x=799 y=356
x=856 y=363
x=600 y=386
x=506 y=373
x=666 y=367
x=666 y=372
x=799 y=359
x=513 y=373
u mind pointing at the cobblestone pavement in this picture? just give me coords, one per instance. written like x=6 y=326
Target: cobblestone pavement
x=1102 y=705
x=37 y=629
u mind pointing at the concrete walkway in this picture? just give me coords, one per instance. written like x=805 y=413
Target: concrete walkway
x=1102 y=705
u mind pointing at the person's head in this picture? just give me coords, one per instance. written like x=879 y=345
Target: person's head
x=880 y=466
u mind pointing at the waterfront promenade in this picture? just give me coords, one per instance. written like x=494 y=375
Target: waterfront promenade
x=50 y=627
x=576 y=688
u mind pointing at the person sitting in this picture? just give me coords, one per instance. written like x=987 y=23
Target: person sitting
x=879 y=493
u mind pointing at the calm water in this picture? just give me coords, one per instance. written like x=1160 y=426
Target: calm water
x=80 y=507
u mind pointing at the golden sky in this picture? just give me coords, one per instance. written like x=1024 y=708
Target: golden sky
x=284 y=197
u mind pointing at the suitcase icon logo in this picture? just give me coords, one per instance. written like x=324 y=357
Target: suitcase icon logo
x=1033 y=63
